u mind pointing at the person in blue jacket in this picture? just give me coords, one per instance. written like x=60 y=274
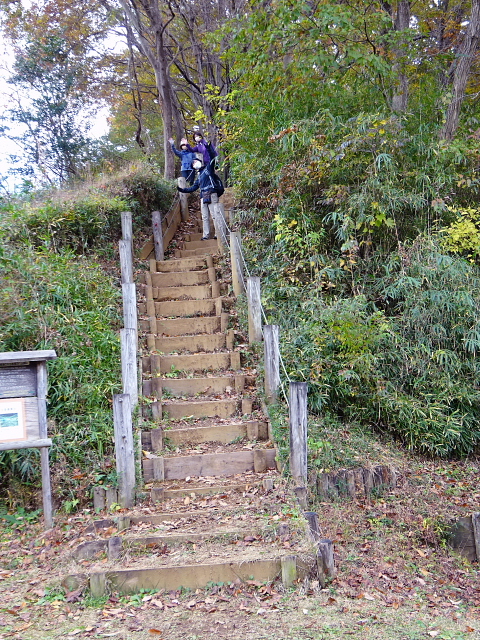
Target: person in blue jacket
x=208 y=194
x=186 y=156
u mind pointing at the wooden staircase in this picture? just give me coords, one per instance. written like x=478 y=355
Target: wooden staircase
x=218 y=508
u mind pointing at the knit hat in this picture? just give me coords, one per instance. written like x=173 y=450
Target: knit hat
x=183 y=141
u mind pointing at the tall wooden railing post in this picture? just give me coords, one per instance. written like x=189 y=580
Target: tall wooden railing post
x=124 y=452
x=182 y=183
x=127 y=233
x=128 y=343
x=129 y=298
x=272 y=361
x=126 y=260
x=254 y=310
x=158 y=235
x=298 y=432
x=236 y=262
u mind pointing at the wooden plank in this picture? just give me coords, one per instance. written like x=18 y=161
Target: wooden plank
x=298 y=431
x=10 y=357
x=213 y=464
x=124 y=449
x=26 y=444
x=187 y=576
x=19 y=381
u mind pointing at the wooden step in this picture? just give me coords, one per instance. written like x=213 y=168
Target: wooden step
x=194 y=386
x=225 y=433
x=184 y=308
x=200 y=244
x=188 y=253
x=188 y=326
x=180 y=264
x=90 y=549
x=177 y=410
x=188 y=292
x=194 y=576
x=209 y=464
x=194 y=344
x=180 y=278
x=191 y=237
x=193 y=362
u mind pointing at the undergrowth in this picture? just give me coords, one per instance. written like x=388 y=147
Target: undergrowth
x=60 y=290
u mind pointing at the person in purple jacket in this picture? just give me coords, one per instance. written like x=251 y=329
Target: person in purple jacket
x=207 y=149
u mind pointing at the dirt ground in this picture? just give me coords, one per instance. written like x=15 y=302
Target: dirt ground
x=397 y=578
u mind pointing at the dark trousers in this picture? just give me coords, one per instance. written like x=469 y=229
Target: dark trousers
x=189 y=176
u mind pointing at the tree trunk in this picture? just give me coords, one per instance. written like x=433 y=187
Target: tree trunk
x=460 y=72
x=400 y=95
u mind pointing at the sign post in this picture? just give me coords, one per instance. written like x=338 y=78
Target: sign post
x=23 y=411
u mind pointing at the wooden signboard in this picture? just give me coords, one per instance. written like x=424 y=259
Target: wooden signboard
x=23 y=410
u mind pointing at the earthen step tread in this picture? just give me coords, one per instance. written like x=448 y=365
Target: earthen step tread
x=210 y=551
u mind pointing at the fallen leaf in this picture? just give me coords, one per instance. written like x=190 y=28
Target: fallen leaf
x=155 y=631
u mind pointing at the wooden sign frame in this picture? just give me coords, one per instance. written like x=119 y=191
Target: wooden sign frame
x=23 y=397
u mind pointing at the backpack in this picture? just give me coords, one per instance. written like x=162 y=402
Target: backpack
x=217 y=185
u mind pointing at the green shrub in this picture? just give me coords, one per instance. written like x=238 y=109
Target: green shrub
x=70 y=304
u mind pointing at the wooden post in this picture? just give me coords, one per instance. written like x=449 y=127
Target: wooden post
x=127 y=233
x=298 y=432
x=325 y=552
x=42 y=424
x=312 y=519
x=126 y=261
x=289 y=570
x=158 y=235
x=128 y=343
x=254 y=310
x=182 y=183
x=124 y=451
x=220 y=227
x=236 y=262
x=129 y=298
x=476 y=533
x=272 y=361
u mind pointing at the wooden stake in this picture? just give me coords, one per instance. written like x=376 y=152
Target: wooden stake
x=272 y=361
x=289 y=570
x=254 y=310
x=158 y=235
x=476 y=533
x=124 y=451
x=126 y=261
x=236 y=263
x=312 y=519
x=298 y=432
